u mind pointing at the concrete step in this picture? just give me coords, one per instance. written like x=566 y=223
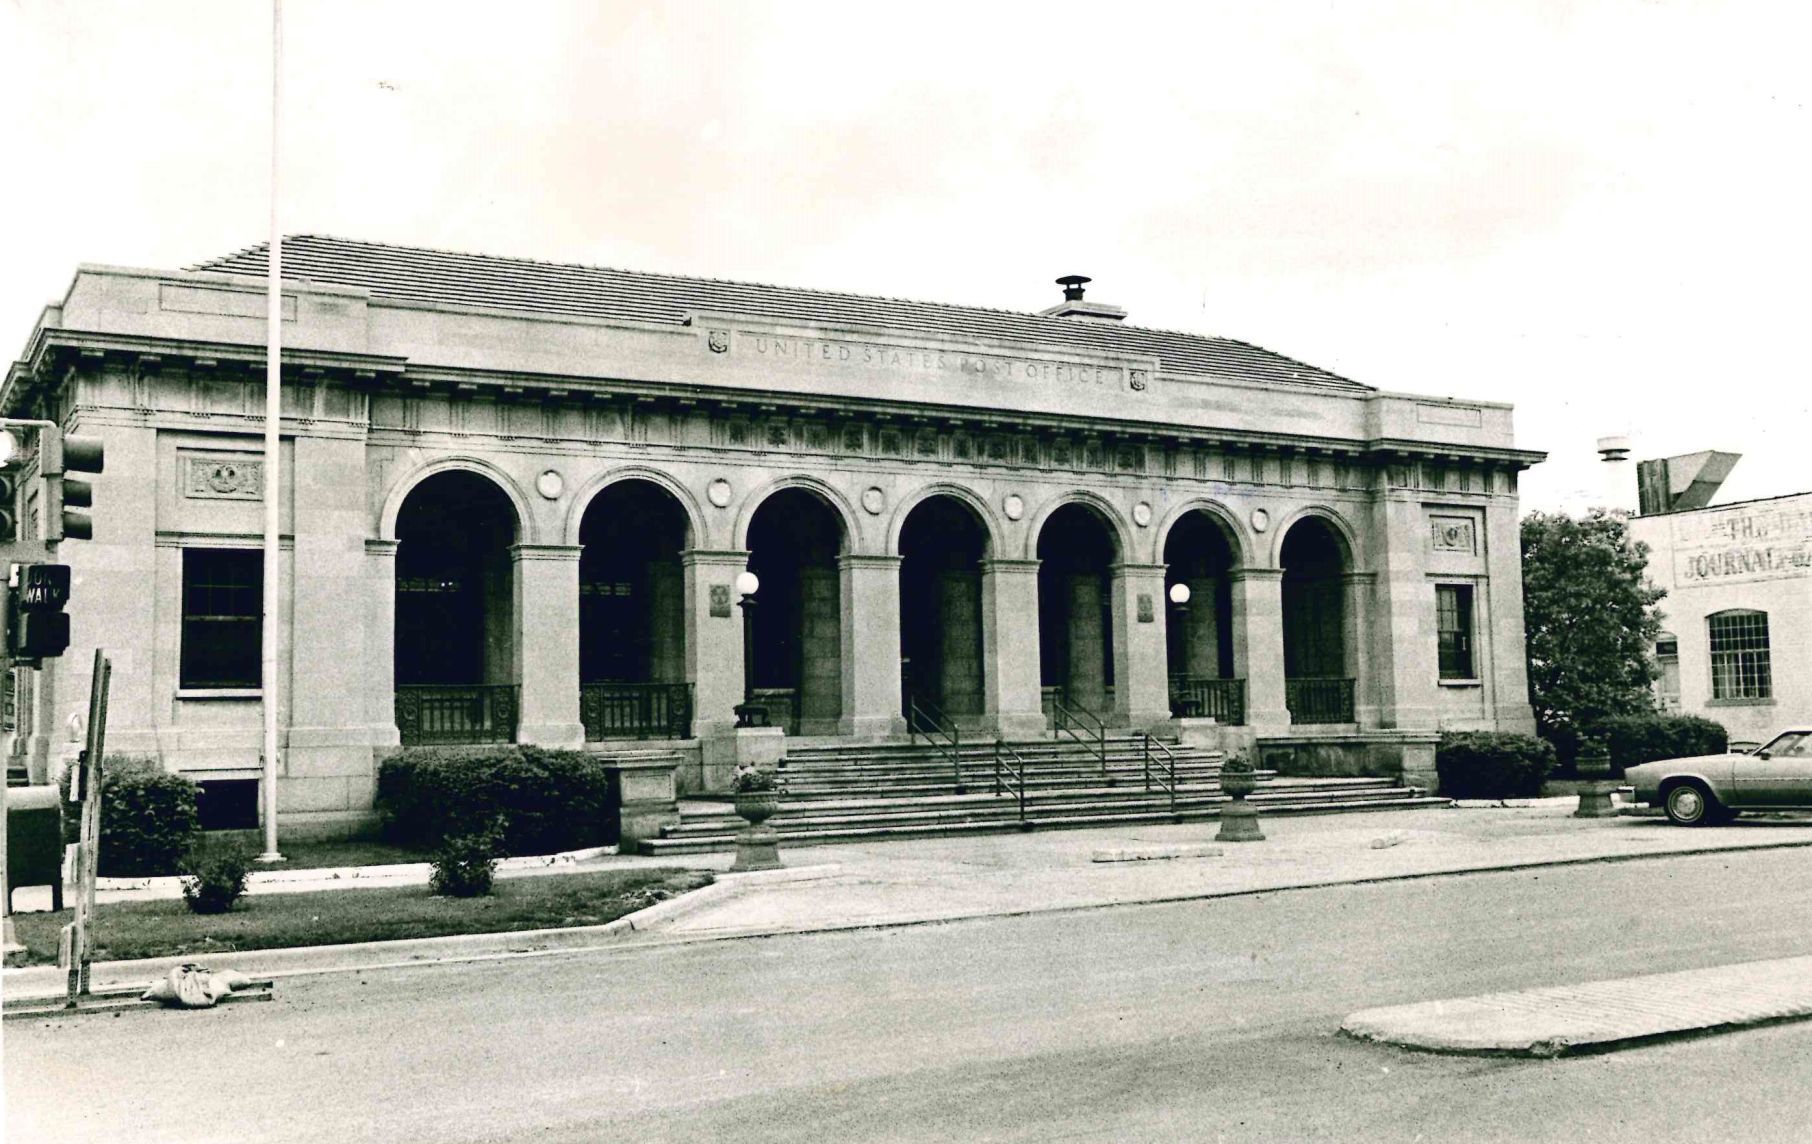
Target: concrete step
x=707 y=843
x=723 y=820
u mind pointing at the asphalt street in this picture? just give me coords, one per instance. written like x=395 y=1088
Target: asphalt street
x=1200 y=1020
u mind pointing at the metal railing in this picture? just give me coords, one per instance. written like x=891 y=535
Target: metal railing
x=1324 y=700
x=1010 y=764
x=430 y=714
x=636 y=710
x=1167 y=766
x=1198 y=697
x=925 y=718
x=1082 y=725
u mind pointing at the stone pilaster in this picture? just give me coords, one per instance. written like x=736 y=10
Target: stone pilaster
x=1141 y=677
x=380 y=640
x=1258 y=647
x=1504 y=660
x=546 y=644
x=714 y=633
x=1355 y=639
x=1401 y=647
x=1013 y=697
x=871 y=646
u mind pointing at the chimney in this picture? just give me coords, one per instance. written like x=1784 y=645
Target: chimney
x=1073 y=306
x=1616 y=486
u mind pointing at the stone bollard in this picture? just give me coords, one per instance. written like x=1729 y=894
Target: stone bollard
x=1239 y=820
x=758 y=844
x=1594 y=766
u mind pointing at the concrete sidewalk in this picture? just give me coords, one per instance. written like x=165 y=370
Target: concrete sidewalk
x=948 y=879
x=1597 y=1016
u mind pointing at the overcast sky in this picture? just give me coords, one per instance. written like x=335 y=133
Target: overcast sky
x=1597 y=211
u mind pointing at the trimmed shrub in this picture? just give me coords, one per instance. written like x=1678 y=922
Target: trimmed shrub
x=1490 y=764
x=149 y=818
x=465 y=866
x=542 y=801
x=216 y=880
x=1634 y=739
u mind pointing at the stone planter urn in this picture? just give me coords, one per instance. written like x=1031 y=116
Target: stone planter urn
x=757 y=799
x=1593 y=763
x=1239 y=819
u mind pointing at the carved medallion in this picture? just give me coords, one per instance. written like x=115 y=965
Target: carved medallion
x=237 y=477
x=720 y=341
x=873 y=500
x=1451 y=534
x=1146 y=614
x=1141 y=514
x=718 y=492
x=720 y=600
x=1014 y=506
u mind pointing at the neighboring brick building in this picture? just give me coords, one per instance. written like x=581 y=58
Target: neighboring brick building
x=1736 y=645
x=516 y=494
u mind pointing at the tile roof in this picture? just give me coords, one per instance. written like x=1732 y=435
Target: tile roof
x=415 y=274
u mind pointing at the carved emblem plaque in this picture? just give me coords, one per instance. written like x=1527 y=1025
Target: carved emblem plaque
x=236 y=477
x=720 y=600
x=1452 y=534
x=720 y=341
x=1146 y=615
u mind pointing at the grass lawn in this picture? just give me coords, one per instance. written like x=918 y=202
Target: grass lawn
x=125 y=930
x=316 y=855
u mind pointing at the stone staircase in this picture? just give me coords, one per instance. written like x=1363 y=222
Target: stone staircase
x=861 y=793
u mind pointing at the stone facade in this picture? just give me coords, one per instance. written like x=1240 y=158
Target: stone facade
x=1332 y=512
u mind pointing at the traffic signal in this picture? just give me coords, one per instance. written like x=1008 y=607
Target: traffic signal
x=36 y=625
x=67 y=499
x=9 y=508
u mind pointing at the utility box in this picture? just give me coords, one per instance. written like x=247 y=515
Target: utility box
x=34 y=841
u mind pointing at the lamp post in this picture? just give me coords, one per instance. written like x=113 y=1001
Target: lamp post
x=748 y=712
x=1181 y=702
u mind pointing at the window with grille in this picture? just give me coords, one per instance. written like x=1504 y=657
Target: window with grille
x=222 y=614
x=1739 y=655
x=1453 y=622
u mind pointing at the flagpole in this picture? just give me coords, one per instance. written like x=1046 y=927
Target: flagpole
x=273 y=461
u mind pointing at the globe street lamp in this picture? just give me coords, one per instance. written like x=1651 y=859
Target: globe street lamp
x=749 y=713
x=1182 y=703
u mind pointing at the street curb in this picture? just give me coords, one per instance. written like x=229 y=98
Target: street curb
x=1597 y=1016
x=294 y=961
x=1212 y=895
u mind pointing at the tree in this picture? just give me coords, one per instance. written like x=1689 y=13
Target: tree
x=1591 y=620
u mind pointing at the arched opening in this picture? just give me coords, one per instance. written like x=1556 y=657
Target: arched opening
x=1076 y=554
x=632 y=615
x=797 y=637
x=455 y=612
x=942 y=545
x=1317 y=688
x=1200 y=633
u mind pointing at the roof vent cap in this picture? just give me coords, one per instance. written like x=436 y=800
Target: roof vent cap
x=1073 y=305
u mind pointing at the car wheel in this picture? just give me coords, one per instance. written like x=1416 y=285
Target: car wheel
x=1689 y=805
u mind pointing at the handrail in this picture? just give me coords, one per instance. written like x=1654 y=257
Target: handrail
x=1016 y=772
x=1065 y=714
x=1167 y=764
x=930 y=724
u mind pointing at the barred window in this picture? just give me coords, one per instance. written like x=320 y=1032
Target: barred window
x=222 y=613
x=1453 y=620
x=1739 y=655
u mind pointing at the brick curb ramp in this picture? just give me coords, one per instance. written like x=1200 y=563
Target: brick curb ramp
x=1598 y=1016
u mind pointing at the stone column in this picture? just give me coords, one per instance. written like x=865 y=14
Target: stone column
x=1013 y=697
x=1258 y=646
x=380 y=641
x=871 y=646
x=1141 y=677
x=546 y=646
x=713 y=638
x=1355 y=636
x=1089 y=647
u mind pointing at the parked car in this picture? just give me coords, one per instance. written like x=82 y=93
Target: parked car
x=1713 y=788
